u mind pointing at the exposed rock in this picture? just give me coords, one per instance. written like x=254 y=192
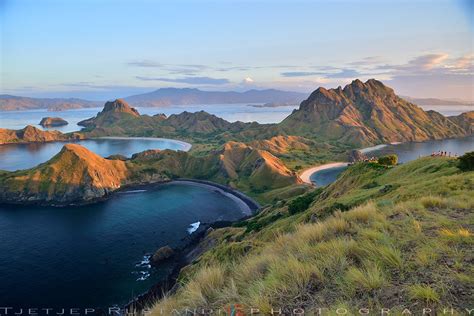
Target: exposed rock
x=162 y=254
x=53 y=121
x=356 y=155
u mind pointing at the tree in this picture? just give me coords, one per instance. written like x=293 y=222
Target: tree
x=466 y=161
x=388 y=160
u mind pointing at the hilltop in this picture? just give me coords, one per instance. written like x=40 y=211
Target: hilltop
x=74 y=175
x=378 y=237
x=367 y=113
x=31 y=134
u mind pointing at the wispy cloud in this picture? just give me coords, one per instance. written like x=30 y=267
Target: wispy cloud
x=188 y=80
x=299 y=73
x=145 y=63
x=344 y=73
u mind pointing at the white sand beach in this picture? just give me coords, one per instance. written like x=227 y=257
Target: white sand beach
x=306 y=174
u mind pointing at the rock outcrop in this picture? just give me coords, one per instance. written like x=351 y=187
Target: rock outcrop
x=367 y=113
x=162 y=254
x=53 y=121
x=31 y=134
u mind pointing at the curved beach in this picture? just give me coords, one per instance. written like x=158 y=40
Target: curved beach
x=186 y=146
x=305 y=175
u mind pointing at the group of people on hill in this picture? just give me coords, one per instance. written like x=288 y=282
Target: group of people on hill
x=441 y=153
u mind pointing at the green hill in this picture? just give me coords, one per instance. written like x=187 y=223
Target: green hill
x=379 y=237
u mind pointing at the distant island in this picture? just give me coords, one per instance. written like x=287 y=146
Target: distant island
x=16 y=103
x=434 y=101
x=273 y=104
x=158 y=98
x=53 y=122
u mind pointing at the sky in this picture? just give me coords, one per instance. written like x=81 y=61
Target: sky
x=103 y=49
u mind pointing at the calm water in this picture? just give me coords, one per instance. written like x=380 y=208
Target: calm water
x=405 y=152
x=230 y=112
x=24 y=156
x=90 y=256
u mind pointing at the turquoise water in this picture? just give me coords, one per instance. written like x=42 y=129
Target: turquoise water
x=24 y=156
x=405 y=152
x=91 y=256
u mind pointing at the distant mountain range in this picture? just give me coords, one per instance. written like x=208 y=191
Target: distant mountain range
x=158 y=98
x=174 y=96
x=15 y=103
x=185 y=96
x=434 y=101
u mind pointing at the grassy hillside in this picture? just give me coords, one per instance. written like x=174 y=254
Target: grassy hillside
x=379 y=237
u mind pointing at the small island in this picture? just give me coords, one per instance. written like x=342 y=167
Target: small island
x=53 y=122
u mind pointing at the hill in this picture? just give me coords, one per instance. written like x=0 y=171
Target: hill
x=74 y=175
x=378 y=237
x=184 y=96
x=15 y=103
x=31 y=134
x=235 y=164
x=367 y=113
x=77 y=175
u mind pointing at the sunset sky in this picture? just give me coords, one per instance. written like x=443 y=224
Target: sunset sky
x=104 y=49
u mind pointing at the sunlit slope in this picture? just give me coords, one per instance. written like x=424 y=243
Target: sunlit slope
x=403 y=238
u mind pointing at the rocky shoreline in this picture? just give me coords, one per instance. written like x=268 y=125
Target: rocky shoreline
x=191 y=251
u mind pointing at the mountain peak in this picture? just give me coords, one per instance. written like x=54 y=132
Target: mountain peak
x=119 y=105
x=364 y=113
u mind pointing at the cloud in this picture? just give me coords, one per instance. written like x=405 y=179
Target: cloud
x=248 y=81
x=145 y=63
x=333 y=73
x=344 y=73
x=299 y=73
x=188 y=80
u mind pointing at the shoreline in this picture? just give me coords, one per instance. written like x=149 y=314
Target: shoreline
x=247 y=205
x=187 y=146
x=306 y=174
x=188 y=253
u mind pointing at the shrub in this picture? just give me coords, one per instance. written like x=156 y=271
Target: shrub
x=466 y=161
x=302 y=202
x=388 y=160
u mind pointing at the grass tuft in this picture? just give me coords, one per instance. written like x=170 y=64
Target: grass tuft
x=424 y=293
